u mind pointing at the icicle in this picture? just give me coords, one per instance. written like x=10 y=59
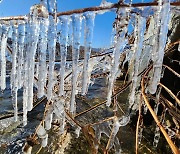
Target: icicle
x=119 y=46
x=41 y=132
x=52 y=6
x=25 y=72
x=14 y=81
x=44 y=3
x=48 y=118
x=34 y=31
x=115 y=130
x=14 y=57
x=20 y=54
x=76 y=23
x=52 y=50
x=141 y=27
x=158 y=54
x=4 y=36
x=59 y=112
x=124 y=120
x=42 y=75
x=45 y=141
x=64 y=20
x=119 y=43
x=77 y=131
x=88 y=35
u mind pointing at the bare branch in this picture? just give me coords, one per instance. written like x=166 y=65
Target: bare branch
x=97 y=8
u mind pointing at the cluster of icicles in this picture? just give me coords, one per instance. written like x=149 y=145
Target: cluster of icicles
x=33 y=58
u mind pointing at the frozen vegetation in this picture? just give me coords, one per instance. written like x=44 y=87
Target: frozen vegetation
x=34 y=43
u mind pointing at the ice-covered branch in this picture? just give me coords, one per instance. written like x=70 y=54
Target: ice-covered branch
x=97 y=8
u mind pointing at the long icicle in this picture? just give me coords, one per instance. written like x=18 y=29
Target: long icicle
x=34 y=29
x=14 y=81
x=141 y=27
x=76 y=23
x=20 y=54
x=88 y=35
x=158 y=52
x=119 y=43
x=42 y=75
x=4 y=36
x=52 y=50
x=25 y=72
x=64 y=21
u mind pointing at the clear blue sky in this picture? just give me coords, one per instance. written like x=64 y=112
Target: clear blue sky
x=103 y=23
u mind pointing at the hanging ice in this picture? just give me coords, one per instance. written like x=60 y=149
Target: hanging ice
x=141 y=27
x=51 y=50
x=3 y=39
x=41 y=132
x=76 y=23
x=64 y=21
x=88 y=35
x=158 y=52
x=48 y=118
x=14 y=81
x=25 y=72
x=42 y=75
x=20 y=53
x=119 y=43
x=52 y=6
x=33 y=38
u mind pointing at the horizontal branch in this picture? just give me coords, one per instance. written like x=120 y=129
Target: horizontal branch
x=90 y=9
x=116 y=5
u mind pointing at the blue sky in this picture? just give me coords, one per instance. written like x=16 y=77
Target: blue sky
x=103 y=23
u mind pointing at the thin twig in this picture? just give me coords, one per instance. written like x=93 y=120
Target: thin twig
x=73 y=119
x=170 y=92
x=39 y=150
x=177 y=74
x=102 y=121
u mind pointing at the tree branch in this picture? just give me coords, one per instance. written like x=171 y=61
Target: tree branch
x=96 y=8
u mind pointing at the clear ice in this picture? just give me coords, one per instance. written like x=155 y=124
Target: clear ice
x=76 y=24
x=88 y=36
